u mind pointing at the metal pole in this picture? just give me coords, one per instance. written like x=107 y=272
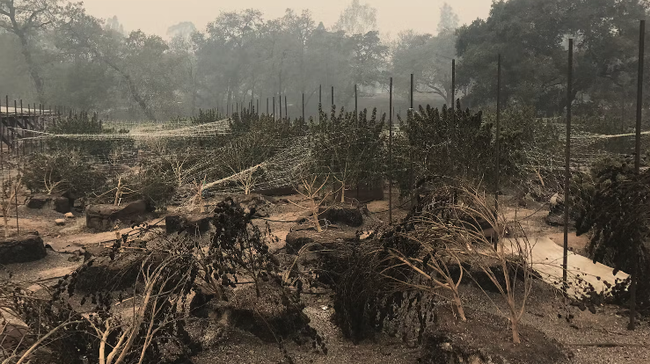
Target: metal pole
x=303 y=108
x=274 y=109
x=286 y=108
x=453 y=90
x=390 y=153
x=497 y=176
x=16 y=196
x=411 y=173
x=332 y=95
x=356 y=103
x=280 y=105
x=2 y=147
x=637 y=167
x=12 y=131
x=16 y=128
x=412 y=80
x=567 y=169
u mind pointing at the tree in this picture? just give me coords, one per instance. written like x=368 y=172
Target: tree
x=533 y=49
x=113 y=24
x=141 y=61
x=427 y=57
x=25 y=18
x=357 y=19
x=184 y=30
x=448 y=20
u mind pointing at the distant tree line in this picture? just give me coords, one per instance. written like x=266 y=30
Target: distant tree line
x=53 y=52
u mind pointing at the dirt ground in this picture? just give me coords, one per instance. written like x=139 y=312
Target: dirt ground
x=590 y=338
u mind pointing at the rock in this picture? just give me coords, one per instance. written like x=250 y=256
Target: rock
x=38 y=201
x=296 y=240
x=194 y=224
x=79 y=204
x=104 y=217
x=343 y=215
x=554 y=219
x=59 y=222
x=22 y=249
x=57 y=203
x=255 y=202
x=69 y=215
x=279 y=191
x=61 y=204
x=364 y=192
x=113 y=274
x=174 y=224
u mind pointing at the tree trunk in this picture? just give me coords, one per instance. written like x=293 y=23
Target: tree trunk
x=132 y=88
x=515 y=331
x=314 y=211
x=6 y=220
x=459 y=307
x=33 y=69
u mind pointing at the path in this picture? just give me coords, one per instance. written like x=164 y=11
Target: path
x=547 y=261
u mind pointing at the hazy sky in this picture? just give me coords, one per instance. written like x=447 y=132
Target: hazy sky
x=155 y=16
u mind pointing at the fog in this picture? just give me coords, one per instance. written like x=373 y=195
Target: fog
x=155 y=16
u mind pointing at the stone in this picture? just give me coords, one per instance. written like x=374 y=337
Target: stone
x=104 y=217
x=296 y=240
x=56 y=202
x=61 y=204
x=193 y=224
x=59 y=222
x=69 y=215
x=22 y=249
x=553 y=219
x=38 y=201
x=254 y=202
x=342 y=215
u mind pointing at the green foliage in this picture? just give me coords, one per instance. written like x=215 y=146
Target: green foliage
x=349 y=147
x=613 y=204
x=70 y=171
x=533 y=50
x=443 y=143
